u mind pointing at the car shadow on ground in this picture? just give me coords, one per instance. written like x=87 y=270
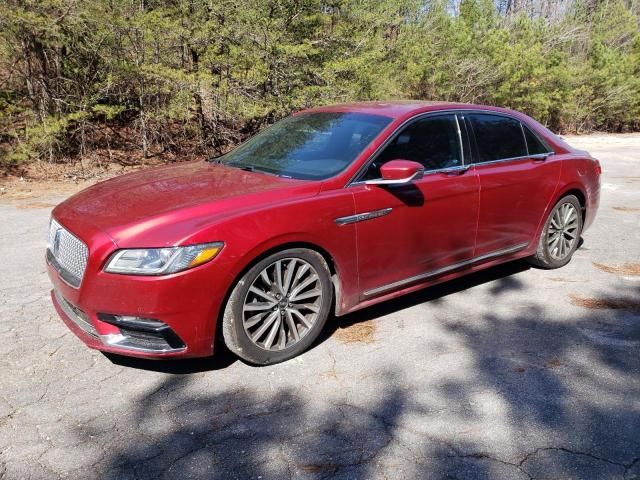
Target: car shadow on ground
x=502 y=274
x=223 y=358
x=538 y=398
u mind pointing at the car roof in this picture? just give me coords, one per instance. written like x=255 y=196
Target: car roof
x=403 y=108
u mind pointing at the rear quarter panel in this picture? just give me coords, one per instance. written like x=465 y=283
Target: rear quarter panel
x=581 y=172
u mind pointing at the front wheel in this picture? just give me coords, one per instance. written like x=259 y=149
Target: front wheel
x=278 y=308
x=561 y=234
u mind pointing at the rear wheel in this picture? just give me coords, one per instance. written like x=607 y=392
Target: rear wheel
x=279 y=307
x=561 y=234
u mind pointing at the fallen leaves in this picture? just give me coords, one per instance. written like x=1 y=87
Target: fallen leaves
x=605 y=303
x=361 y=332
x=626 y=209
x=631 y=269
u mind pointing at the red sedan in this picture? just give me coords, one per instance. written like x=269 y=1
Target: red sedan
x=330 y=210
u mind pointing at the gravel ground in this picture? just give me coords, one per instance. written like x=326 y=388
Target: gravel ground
x=512 y=373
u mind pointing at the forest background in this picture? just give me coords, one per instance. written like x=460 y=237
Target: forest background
x=126 y=81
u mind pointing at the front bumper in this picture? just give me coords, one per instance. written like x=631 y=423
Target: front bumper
x=176 y=313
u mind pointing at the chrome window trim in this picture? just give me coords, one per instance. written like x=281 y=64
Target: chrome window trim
x=428 y=172
x=460 y=141
x=442 y=270
x=548 y=153
x=501 y=160
x=524 y=138
x=462 y=112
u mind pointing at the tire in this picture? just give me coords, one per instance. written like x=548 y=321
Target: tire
x=263 y=332
x=551 y=255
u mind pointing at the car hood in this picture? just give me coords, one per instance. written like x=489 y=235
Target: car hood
x=140 y=203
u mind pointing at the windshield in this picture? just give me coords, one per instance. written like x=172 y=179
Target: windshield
x=311 y=146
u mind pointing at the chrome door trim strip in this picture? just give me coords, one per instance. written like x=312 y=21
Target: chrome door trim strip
x=459 y=168
x=360 y=217
x=448 y=268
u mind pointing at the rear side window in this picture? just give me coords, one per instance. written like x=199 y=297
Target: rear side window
x=498 y=137
x=535 y=145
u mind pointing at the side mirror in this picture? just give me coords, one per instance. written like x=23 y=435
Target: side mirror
x=398 y=172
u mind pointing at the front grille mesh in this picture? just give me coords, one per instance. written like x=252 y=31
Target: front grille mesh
x=69 y=252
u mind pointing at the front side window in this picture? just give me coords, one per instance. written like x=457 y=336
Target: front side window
x=311 y=146
x=497 y=137
x=432 y=141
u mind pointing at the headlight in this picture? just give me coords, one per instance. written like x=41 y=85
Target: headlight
x=162 y=261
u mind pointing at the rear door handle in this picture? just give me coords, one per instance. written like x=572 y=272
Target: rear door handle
x=541 y=157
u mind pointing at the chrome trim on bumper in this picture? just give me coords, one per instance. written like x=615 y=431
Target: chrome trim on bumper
x=448 y=268
x=124 y=342
x=76 y=315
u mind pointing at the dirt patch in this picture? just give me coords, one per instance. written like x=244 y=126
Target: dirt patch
x=319 y=468
x=552 y=362
x=36 y=204
x=39 y=181
x=626 y=209
x=605 y=303
x=361 y=332
x=630 y=269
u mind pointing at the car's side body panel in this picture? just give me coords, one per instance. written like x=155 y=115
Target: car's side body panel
x=514 y=195
x=416 y=236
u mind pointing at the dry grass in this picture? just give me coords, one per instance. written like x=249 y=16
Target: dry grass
x=565 y=280
x=630 y=269
x=38 y=181
x=361 y=332
x=626 y=209
x=605 y=303
x=30 y=191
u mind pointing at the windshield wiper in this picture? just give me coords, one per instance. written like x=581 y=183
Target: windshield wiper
x=252 y=168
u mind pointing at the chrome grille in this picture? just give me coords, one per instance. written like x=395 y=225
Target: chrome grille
x=67 y=253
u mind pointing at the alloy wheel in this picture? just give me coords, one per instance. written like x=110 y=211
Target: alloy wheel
x=282 y=304
x=562 y=234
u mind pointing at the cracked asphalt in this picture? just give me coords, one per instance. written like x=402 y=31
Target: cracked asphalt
x=512 y=373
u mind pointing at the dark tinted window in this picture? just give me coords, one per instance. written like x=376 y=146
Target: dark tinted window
x=432 y=141
x=308 y=146
x=534 y=144
x=498 y=137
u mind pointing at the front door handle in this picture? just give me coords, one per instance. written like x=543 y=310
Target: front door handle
x=456 y=171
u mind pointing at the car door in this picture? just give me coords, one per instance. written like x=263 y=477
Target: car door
x=412 y=232
x=517 y=181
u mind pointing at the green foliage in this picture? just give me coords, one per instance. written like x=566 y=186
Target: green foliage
x=217 y=70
